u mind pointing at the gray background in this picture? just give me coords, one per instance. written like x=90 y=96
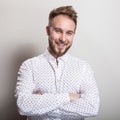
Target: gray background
x=22 y=35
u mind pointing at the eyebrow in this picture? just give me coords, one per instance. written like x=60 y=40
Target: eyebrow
x=62 y=30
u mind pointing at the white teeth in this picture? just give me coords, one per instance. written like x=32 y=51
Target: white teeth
x=61 y=44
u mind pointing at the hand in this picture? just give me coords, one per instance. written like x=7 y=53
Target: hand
x=74 y=96
x=37 y=92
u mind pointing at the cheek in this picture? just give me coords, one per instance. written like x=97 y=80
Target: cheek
x=52 y=39
x=70 y=40
x=54 y=36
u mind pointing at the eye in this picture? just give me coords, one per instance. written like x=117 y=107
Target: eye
x=69 y=33
x=57 y=30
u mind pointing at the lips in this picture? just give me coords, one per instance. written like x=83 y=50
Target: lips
x=60 y=45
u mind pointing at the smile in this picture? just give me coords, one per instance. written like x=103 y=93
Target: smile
x=60 y=45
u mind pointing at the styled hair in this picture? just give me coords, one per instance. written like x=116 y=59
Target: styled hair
x=64 y=10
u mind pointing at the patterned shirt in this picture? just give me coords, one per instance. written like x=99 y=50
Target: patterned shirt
x=55 y=80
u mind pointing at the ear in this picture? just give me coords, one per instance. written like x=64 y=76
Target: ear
x=48 y=30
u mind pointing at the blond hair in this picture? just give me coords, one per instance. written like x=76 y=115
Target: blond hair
x=64 y=10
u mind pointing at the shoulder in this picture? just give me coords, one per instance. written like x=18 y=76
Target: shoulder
x=82 y=64
x=77 y=60
x=33 y=60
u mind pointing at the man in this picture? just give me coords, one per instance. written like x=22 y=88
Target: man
x=56 y=85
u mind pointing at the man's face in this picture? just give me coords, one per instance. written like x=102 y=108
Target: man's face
x=60 y=33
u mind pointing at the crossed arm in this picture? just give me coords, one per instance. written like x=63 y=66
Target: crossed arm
x=32 y=103
x=72 y=96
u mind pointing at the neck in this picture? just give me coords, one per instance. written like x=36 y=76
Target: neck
x=55 y=56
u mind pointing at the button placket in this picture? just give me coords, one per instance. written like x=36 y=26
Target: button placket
x=57 y=72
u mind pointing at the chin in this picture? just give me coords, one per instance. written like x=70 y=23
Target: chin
x=61 y=53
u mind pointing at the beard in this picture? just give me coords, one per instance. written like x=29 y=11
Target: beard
x=57 y=52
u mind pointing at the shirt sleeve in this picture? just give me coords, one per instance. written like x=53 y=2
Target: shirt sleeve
x=34 y=104
x=88 y=104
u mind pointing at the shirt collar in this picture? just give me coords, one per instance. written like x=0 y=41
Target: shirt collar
x=50 y=57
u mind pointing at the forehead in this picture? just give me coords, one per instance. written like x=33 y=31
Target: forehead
x=63 y=22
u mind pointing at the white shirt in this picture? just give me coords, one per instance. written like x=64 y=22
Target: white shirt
x=55 y=82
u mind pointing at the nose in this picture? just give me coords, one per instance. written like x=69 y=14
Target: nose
x=63 y=37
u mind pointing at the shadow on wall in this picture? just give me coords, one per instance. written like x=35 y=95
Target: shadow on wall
x=21 y=55
x=8 y=110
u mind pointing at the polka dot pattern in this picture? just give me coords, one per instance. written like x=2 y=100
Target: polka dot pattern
x=43 y=88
